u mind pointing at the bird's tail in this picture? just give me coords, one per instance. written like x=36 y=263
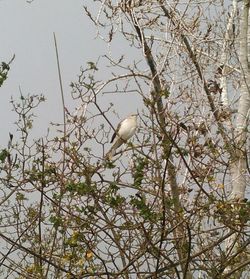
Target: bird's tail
x=110 y=154
x=112 y=150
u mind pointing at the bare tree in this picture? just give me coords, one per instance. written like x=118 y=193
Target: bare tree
x=171 y=203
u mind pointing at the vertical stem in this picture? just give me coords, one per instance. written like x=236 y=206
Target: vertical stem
x=238 y=164
x=62 y=97
x=179 y=233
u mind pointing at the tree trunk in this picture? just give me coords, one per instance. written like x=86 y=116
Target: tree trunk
x=238 y=164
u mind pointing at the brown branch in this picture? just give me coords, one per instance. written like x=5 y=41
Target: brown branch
x=189 y=251
x=163 y=195
x=41 y=206
x=237 y=268
x=30 y=252
x=157 y=99
x=193 y=58
x=209 y=247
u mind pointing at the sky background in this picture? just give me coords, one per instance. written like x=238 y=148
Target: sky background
x=26 y=30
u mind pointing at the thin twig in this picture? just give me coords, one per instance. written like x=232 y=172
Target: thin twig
x=62 y=97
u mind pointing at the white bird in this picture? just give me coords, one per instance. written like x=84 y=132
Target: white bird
x=124 y=131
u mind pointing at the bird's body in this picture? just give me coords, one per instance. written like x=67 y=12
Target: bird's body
x=124 y=131
x=126 y=128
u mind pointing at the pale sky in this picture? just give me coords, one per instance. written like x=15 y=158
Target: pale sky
x=26 y=30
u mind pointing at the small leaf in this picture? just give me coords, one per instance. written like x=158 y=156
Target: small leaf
x=3 y=155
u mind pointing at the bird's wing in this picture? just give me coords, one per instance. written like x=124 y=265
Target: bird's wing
x=116 y=132
x=113 y=137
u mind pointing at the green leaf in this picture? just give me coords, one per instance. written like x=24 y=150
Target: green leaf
x=141 y=164
x=115 y=202
x=56 y=221
x=3 y=155
x=144 y=209
x=20 y=197
x=92 y=66
x=80 y=188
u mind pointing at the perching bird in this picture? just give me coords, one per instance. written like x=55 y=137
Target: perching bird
x=124 y=131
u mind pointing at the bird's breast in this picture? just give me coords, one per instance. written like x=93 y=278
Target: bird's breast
x=127 y=130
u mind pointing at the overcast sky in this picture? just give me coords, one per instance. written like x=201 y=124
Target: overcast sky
x=26 y=30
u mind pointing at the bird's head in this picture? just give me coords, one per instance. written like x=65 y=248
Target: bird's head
x=133 y=116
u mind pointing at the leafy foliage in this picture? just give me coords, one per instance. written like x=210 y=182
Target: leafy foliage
x=161 y=208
